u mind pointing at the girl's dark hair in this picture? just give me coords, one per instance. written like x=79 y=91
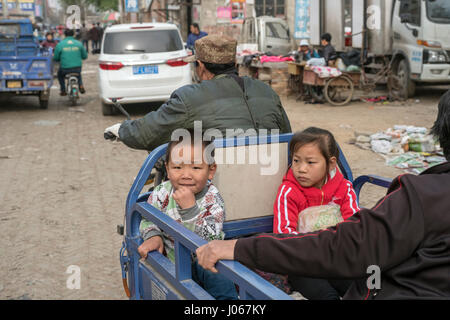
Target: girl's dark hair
x=206 y=143
x=441 y=127
x=323 y=138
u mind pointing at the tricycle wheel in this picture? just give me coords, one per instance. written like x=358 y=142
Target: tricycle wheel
x=43 y=104
x=43 y=99
x=338 y=91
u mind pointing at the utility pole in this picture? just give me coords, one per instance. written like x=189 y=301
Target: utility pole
x=44 y=11
x=120 y=10
x=5 y=9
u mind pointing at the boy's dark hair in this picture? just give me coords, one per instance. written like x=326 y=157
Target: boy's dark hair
x=207 y=142
x=441 y=127
x=195 y=25
x=323 y=138
x=326 y=37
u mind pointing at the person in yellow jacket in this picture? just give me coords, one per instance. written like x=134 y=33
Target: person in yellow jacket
x=70 y=53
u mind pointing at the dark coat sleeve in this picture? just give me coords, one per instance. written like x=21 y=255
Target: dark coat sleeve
x=329 y=53
x=156 y=127
x=384 y=236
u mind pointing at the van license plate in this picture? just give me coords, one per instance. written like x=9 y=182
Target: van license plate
x=14 y=84
x=145 y=69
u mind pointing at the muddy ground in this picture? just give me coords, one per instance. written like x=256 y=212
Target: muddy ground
x=63 y=187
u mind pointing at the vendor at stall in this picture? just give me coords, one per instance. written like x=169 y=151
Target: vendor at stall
x=305 y=51
x=328 y=51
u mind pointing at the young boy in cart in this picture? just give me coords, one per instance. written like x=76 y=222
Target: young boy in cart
x=191 y=199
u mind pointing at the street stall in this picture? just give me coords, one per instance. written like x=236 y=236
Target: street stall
x=295 y=70
x=338 y=85
x=273 y=70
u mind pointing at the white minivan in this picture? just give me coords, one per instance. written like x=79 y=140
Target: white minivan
x=141 y=62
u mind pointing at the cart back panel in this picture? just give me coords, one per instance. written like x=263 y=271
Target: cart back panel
x=249 y=189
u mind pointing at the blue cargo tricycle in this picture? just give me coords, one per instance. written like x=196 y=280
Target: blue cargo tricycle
x=248 y=197
x=25 y=67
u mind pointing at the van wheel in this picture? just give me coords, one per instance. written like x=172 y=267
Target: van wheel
x=107 y=109
x=403 y=74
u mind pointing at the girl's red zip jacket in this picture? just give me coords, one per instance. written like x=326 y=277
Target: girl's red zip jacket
x=292 y=198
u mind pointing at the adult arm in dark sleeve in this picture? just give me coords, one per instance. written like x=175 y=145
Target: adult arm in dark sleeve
x=384 y=236
x=156 y=127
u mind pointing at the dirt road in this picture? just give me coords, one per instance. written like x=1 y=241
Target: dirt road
x=63 y=188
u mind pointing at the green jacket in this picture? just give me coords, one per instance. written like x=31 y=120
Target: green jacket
x=70 y=52
x=219 y=103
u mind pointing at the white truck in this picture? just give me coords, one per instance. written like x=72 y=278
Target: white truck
x=414 y=34
x=266 y=34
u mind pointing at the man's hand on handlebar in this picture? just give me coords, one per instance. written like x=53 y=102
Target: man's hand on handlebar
x=112 y=133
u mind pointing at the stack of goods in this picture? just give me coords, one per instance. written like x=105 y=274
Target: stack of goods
x=404 y=147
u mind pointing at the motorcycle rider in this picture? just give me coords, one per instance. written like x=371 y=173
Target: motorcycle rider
x=70 y=52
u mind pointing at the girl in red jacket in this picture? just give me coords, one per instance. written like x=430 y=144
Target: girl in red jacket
x=314 y=195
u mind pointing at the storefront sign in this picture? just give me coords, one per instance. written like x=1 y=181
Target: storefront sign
x=26 y=5
x=131 y=6
x=11 y=4
x=302 y=19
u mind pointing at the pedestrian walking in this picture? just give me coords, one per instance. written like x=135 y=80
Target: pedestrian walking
x=85 y=37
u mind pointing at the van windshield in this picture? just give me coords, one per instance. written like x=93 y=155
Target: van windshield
x=142 y=42
x=438 y=11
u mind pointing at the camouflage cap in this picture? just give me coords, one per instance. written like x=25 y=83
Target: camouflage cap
x=214 y=49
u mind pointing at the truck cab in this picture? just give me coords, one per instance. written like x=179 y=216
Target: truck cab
x=266 y=34
x=421 y=41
